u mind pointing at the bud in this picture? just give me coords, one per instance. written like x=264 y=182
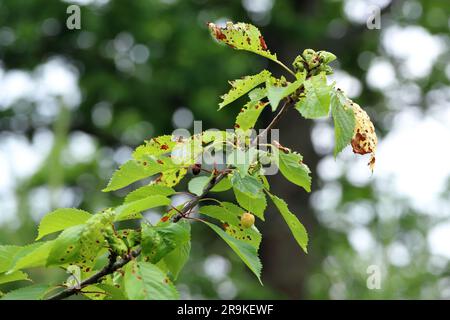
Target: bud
x=311 y=57
x=326 y=57
x=247 y=220
x=299 y=64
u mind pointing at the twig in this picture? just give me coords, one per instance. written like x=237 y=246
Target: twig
x=112 y=266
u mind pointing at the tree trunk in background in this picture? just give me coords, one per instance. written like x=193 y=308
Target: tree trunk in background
x=285 y=263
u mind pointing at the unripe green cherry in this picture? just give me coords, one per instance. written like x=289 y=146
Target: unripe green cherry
x=247 y=220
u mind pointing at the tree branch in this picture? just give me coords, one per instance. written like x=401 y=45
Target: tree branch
x=110 y=268
x=115 y=264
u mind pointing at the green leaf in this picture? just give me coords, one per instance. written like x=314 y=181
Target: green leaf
x=150 y=190
x=316 y=101
x=177 y=258
x=245 y=251
x=145 y=281
x=197 y=184
x=248 y=185
x=135 y=170
x=240 y=87
x=294 y=170
x=7 y=254
x=248 y=116
x=61 y=219
x=276 y=92
x=242 y=36
x=33 y=292
x=223 y=185
x=131 y=210
x=344 y=121
x=32 y=256
x=12 y=277
x=256 y=205
x=157 y=241
x=297 y=228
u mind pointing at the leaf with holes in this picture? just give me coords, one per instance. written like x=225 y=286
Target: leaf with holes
x=242 y=36
x=240 y=87
x=248 y=116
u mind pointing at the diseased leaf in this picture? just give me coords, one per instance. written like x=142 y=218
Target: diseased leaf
x=316 y=100
x=245 y=251
x=81 y=244
x=242 y=36
x=344 y=121
x=171 y=178
x=61 y=219
x=248 y=116
x=145 y=281
x=297 y=228
x=131 y=210
x=135 y=170
x=240 y=87
x=230 y=215
x=294 y=170
x=155 y=147
x=364 y=137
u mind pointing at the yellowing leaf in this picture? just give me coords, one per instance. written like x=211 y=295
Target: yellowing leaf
x=364 y=137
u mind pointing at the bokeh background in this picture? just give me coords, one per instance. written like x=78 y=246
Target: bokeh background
x=74 y=103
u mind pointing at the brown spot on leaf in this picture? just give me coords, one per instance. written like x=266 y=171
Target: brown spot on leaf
x=262 y=43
